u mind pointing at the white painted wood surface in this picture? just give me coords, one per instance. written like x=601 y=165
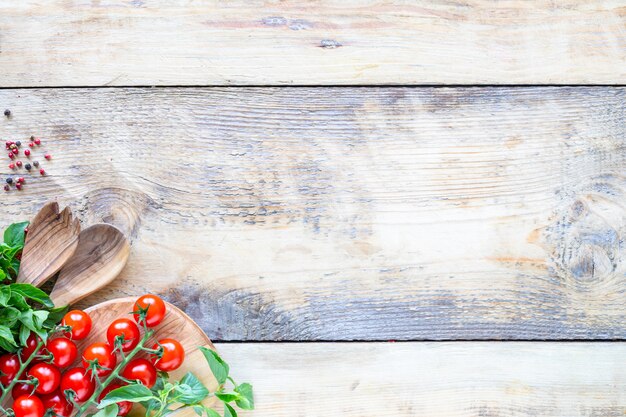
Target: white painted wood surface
x=190 y=42
x=458 y=379
x=359 y=213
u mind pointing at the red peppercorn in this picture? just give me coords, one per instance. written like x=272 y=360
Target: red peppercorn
x=42 y=171
x=20 y=180
x=19 y=164
x=15 y=151
x=47 y=156
x=11 y=165
x=31 y=144
x=27 y=152
x=11 y=155
x=7 y=188
x=18 y=186
x=37 y=141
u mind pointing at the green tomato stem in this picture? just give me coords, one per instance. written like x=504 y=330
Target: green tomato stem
x=115 y=374
x=23 y=366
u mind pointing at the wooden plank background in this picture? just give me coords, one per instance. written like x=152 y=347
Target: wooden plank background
x=190 y=42
x=487 y=379
x=350 y=213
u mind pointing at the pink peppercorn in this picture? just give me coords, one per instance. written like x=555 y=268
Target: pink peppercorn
x=19 y=164
x=11 y=166
x=20 y=180
x=47 y=156
x=27 y=152
x=7 y=188
x=37 y=141
x=42 y=171
x=18 y=186
x=15 y=151
x=31 y=144
x=11 y=155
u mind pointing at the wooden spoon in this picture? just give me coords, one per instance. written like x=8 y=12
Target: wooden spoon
x=51 y=240
x=101 y=255
x=176 y=325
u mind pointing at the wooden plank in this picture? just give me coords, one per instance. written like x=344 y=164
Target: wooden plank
x=433 y=379
x=188 y=42
x=350 y=213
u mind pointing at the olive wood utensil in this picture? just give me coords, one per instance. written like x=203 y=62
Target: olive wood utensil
x=51 y=240
x=102 y=253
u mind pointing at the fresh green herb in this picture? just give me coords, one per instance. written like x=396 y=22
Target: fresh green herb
x=23 y=307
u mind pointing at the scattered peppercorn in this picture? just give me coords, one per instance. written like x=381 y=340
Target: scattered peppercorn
x=7 y=112
x=9 y=180
x=32 y=137
x=42 y=171
x=37 y=141
x=15 y=151
x=27 y=166
x=7 y=188
x=18 y=143
x=18 y=186
x=47 y=156
x=20 y=180
x=31 y=144
x=11 y=166
x=27 y=152
x=36 y=163
x=11 y=155
x=19 y=164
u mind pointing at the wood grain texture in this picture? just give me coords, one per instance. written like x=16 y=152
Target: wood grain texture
x=51 y=240
x=101 y=255
x=432 y=379
x=210 y=42
x=349 y=213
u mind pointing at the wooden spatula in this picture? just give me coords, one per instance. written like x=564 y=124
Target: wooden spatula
x=101 y=255
x=51 y=240
x=175 y=325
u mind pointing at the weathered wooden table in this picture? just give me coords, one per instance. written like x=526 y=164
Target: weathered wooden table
x=447 y=175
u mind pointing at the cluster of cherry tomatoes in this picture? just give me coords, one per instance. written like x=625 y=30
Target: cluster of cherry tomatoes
x=52 y=385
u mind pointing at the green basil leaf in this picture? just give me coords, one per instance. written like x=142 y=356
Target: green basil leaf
x=54 y=316
x=211 y=413
x=198 y=409
x=3 y=275
x=228 y=397
x=14 y=234
x=33 y=293
x=110 y=410
x=24 y=333
x=134 y=393
x=18 y=301
x=246 y=402
x=7 y=335
x=218 y=366
x=229 y=411
x=190 y=390
x=5 y=295
x=6 y=346
x=9 y=316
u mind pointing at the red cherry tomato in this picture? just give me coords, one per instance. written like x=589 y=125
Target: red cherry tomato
x=48 y=376
x=124 y=328
x=78 y=380
x=9 y=367
x=173 y=355
x=124 y=407
x=31 y=346
x=22 y=389
x=28 y=406
x=80 y=322
x=63 y=351
x=57 y=402
x=105 y=356
x=155 y=306
x=141 y=370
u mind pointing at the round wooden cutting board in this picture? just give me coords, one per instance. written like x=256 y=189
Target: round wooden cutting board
x=176 y=325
